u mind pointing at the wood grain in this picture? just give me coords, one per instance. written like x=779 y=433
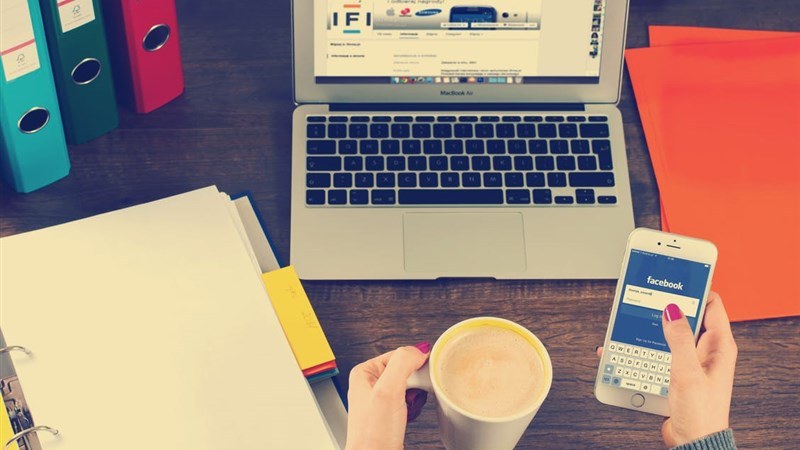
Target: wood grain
x=232 y=128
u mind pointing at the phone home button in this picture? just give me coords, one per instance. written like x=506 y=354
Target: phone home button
x=637 y=400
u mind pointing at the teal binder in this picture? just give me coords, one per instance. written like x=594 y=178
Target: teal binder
x=33 y=152
x=76 y=38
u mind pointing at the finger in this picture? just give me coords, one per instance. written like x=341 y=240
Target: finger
x=717 y=343
x=681 y=342
x=716 y=318
x=599 y=351
x=403 y=362
x=368 y=372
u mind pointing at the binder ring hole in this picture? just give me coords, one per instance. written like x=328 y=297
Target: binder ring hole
x=33 y=120
x=86 y=71
x=156 y=38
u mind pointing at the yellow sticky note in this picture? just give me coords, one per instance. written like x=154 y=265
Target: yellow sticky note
x=5 y=428
x=300 y=324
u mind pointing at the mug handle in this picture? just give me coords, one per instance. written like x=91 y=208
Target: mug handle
x=421 y=379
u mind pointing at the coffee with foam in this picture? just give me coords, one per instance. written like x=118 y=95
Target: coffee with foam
x=490 y=371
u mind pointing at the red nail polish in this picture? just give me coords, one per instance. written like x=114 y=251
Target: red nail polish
x=672 y=312
x=424 y=347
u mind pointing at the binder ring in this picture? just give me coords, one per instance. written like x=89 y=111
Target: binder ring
x=12 y=348
x=86 y=71
x=23 y=433
x=33 y=120
x=156 y=37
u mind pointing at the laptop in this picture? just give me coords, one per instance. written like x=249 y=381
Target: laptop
x=458 y=138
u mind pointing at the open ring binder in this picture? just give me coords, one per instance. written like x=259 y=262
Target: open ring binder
x=24 y=433
x=12 y=348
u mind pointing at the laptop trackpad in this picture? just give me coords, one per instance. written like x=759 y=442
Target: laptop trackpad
x=464 y=244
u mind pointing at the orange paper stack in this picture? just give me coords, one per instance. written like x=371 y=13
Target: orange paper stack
x=721 y=115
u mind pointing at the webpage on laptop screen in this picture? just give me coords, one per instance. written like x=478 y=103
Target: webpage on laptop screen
x=652 y=282
x=457 y=41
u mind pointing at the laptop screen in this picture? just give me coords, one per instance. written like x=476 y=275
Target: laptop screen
x=498 y=42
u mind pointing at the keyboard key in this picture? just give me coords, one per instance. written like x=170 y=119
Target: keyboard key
x=382 y=119
x=495 y=147
x=565 y=162
x=567 y=130
x=601 y=145
x=337 y=119
x=556 y=179
x=421 y=130
x=403 y=119
x=451 y=196
x=545 y=163
x=365 y=180
x=321 y=147
x=526 y=130
x=599 y=130
x=358 y=131
x=492 y=179
x=425 y=119
x=523 y=163
x=475 y=147
x=343 y=180
x=446 y=119
x=580 y=146
x=354 y=163
x=417 y=163
x=511 y=118
x=384 y=197
x=481 y=163
x=359 y=197
x=546 y=130
x=374 y=163
x=559 y=147
x=542 y=196
x=607 y=199
x=504 y=130
x=438 y=163
x=584 y=196
x=442 y=130
x=518 y=196
x=432 y=147
x=537 y=146
x=315 y=197
x=337 y=130
x=385 y=180
x=349 y=146
x=459 y=163
x=576 y=119
x=388 y=147
x=602 y=148
x=554 y=119
x=514 y=179
x=428 y=179
x=395 y=163
x=412 y=147
x=533 y=118
x=407 y=179
x=462 y=130
x=484 y=130
x=501 y=163
x=517 y=147
x=337 y=197
x=324 y=163
x=453 y=147
x=564 y=200
x=450 y=179
x=468 y=119
x=379 y=130
x=400 y=130
x=598 y=119
x=587 y=162
x=318 y=180
x=591 y=179
x=471 y=179
x=315 y=131
x=490 y=119
x=315 y=119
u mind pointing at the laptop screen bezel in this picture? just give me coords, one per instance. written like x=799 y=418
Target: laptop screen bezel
x=307 y=90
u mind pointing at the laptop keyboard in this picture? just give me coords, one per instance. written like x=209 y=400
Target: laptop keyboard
x=415 y=160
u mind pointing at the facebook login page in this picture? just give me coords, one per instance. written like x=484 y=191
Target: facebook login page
x=457 y=41
x=651 y=283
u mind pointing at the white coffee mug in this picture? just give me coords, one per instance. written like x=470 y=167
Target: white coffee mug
x=462 y=430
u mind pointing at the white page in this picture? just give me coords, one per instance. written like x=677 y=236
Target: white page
x=150 y=329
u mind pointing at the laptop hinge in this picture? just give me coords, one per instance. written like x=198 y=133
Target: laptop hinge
x=457 y=107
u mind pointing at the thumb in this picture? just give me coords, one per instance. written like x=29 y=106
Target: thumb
x=680 y=340
x=403 y=362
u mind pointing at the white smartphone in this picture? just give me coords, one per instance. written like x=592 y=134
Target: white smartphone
x=658 y=269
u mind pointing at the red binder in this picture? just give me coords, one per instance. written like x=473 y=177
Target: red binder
x=145 y=51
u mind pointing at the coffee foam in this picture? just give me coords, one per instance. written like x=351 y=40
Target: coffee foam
x=490 y=372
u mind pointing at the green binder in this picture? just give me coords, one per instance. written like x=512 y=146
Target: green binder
x=81 y=67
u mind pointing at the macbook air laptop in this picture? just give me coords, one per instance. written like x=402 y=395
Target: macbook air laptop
x=458 y=138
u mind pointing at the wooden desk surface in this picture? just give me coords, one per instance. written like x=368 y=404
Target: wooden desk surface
x=232 y=128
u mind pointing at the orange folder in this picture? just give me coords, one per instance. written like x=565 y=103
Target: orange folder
x=722 y=122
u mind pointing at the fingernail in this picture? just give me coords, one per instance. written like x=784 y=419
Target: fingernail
x=424 y=347
x=672 y=312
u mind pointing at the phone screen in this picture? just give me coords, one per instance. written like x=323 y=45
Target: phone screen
x=637 y=356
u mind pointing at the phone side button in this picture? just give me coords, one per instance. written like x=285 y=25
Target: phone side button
x=637 y=400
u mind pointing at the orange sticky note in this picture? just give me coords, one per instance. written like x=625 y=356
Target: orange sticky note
x=722 y=122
